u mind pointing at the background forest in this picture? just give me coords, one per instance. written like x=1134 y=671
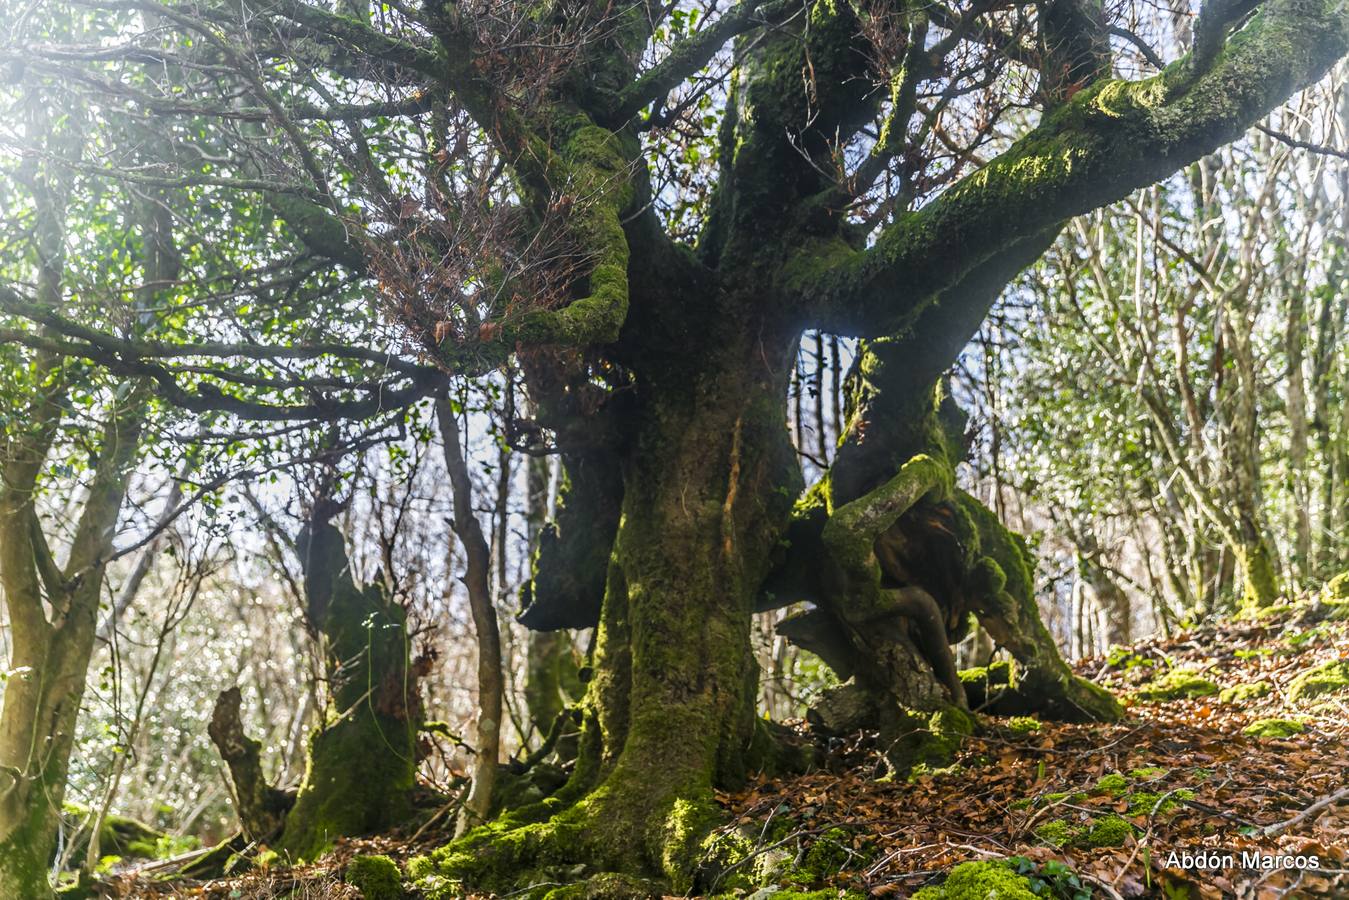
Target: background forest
x=1158 y=403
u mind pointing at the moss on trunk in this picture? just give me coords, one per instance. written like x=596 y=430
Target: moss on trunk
x=25 y=853
x=362 y=759
x=669 y=713
x=893 y=528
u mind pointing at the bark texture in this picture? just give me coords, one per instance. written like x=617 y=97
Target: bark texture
x=362 y=760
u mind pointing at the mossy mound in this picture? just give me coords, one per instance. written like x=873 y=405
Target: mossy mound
x=120 y=836
x=1328 y=678
x=1177 y=684
x=377 y=877
x=1161 y=803
x=1244 y=693
x=927 y=746
x=1335 y=597
x=1148 y=772
x=1273 y=728
x=1108 y=831
x=980 y=881
x=1024 y=724
x=1113 y=784
x=1058 y=832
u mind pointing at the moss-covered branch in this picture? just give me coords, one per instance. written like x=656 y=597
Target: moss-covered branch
x=1108 y=140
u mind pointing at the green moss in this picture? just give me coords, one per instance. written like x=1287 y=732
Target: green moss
x=1177 y=684
x=607 y=886
x=1125 y=658
x=1110 y=831
x=1242 y=693
x=1148 y=772
x=980 y=881
x=1059 y=833
x=925 y=747
x=1143 y=803
x=1273 y=728
x=119 y=836
x=825 y=858
x=1328 y=678
x=378 y=877
x=1113 y=784
x=986 y=685
x=1024 y=724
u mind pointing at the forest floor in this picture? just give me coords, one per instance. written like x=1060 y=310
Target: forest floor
x=1235 y=738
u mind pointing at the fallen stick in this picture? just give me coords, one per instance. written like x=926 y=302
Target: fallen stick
x=1281 y=827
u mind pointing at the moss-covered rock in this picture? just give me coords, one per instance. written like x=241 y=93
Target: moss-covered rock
x=1177 y=684
x=980 y=881
x=1244 y=693
x=377 y=877
x=1273 y=728
x=1113 y=784
x=1328 y=678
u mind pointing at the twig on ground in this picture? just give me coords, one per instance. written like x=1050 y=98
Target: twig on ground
x=1309 y=812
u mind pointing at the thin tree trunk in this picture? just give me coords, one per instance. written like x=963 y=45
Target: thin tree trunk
x=477 y=580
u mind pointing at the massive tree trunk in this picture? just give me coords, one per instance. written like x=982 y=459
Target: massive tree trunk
x=707 y=482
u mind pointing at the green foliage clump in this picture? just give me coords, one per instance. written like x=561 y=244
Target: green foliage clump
x=1177 y=684
x=1273 y=728
x=1242 y=693
x=981 y=881
x=378 y=877
x=1328 y=678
